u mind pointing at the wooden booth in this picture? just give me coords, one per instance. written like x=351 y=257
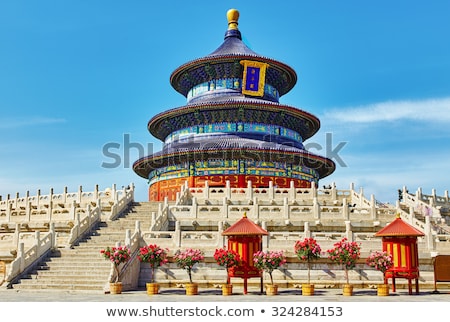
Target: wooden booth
x=400 y=240
x=245 y=237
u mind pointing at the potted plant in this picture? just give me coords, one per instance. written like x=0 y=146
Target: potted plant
x=186 y=259
x=155 y=256
x=227 y=258
x=345 y=253
x=307 y=250
x=381 y=261
x=117 y=255
x=268 y=262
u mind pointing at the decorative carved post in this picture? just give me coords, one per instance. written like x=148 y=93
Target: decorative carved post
x=249 y=190
x=64 y=200
x=286 y=208
x=316 y=208
x=292 y=191
x=177 y=234
x=348 y=230
x=373 y=209
x=345 y=210
x=307 y=232
x=53 y=235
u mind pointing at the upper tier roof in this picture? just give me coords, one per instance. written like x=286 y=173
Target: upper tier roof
x=224 y=62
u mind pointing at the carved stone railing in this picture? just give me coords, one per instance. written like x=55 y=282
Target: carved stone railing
x=26 y=259
x=83 y=225
x=54 y=207
x=121 y=201
x=129 y=271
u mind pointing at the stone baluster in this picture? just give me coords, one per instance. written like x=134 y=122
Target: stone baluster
x=177 y=234
x=50 y=210
x=345 y=210
x=419 y=193
x=53 y=235
x=286 y=208
x=433 y=195
x=348 y=230
x=271 y=191
x=249 y=190
x=316 y=208
x=50 y=205
x=96 y=192
x=114 y=193
x=292 y=191
x=333 y=192
x=27 y=197
x=225 y=207
x=21 y=256
x=446 y=196
x=64 y=196
x=194 y=213
x=228 y=189
x=28 y=211
x=16 y=201
x=8 y=209
x=307 y=231
x=128 y=238
x=313 y=190
x=38 y=199
x=73 y=208
x=431 y=201
x=80 y=191
x=373 y=209
x=137 y=227
x=206 y=190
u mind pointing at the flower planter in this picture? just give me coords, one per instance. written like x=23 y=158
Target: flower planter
x=192 y=289
x=347 y=290
x=227 y=289
x=115 y=288
x=307 y=289
x=383 y=290
x=152 y=288
x=271 y=289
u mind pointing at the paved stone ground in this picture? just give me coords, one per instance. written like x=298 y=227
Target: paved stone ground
x=215 y=295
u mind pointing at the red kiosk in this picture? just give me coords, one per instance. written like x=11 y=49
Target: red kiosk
x=400 y=240
x=245 y=237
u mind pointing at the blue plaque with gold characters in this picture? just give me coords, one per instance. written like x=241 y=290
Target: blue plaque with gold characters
x=254 y=77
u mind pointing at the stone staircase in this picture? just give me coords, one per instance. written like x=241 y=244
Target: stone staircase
x=82 y=267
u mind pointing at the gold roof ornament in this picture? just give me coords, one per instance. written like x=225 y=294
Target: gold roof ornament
x=233 y=17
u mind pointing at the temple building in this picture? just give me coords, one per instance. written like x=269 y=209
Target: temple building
x=233 y=130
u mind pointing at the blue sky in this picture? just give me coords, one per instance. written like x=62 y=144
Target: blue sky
x=79 y=77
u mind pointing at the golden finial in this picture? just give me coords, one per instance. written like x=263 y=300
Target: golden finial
x=232 y=16
x=397 y=215
x=245 y=215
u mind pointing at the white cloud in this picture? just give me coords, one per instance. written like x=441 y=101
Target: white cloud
x=433 y=110
x=13 y=123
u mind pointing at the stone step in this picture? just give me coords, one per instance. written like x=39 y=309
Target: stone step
x=66 y=271
x=83 y=267
x=64 y=276
x=61 y=286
